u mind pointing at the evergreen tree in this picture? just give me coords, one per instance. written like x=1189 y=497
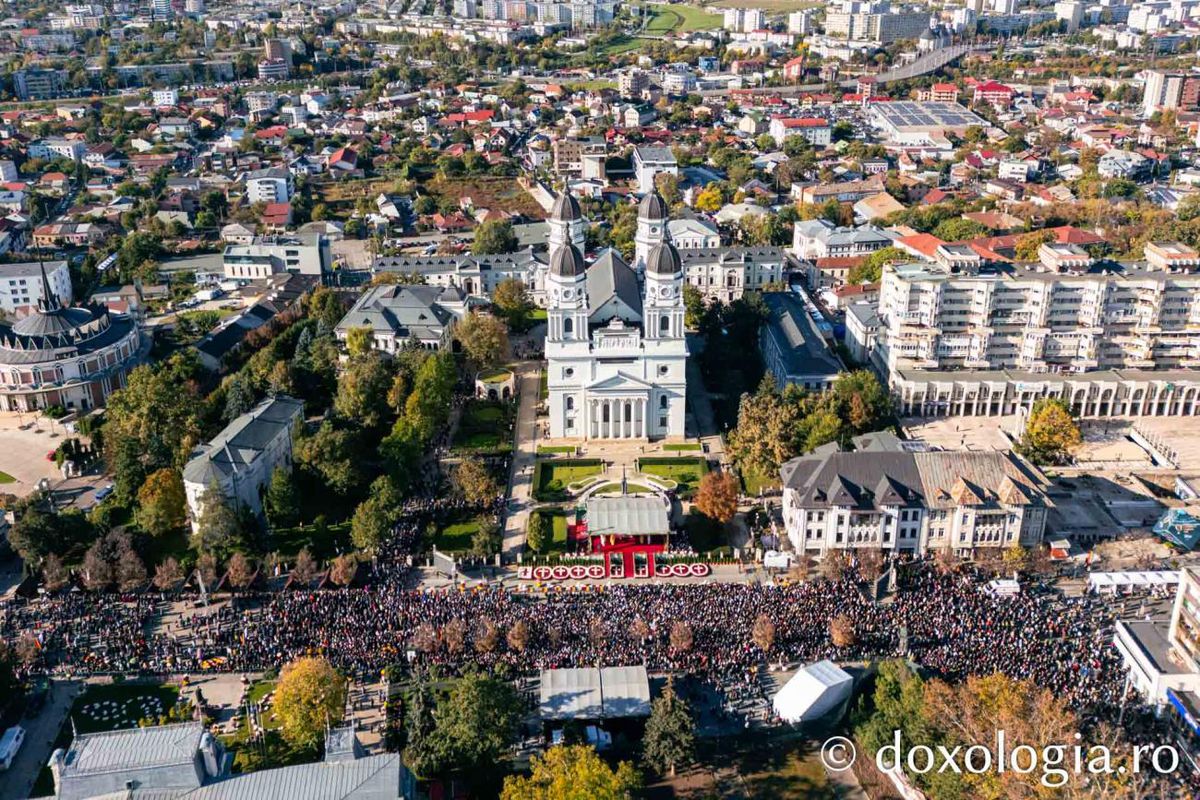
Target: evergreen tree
x=670 y=738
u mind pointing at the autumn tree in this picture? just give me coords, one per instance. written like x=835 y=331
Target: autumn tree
x=239 y=571
x=484 y=338
x=217 y=526
x=717 y=496
x=680 y=637
x=167 y=574
x=359 y=340
x=206 y=570
x=54 y=574
x=486 y=635
x=571 y=771
x=670 y=737
x=518 y=636
x=310 y=696
x=305 y=568
x=162 y=502
x=97 y=572
x=1051 y=433
x=842 y=631
x=763 y=633
x=474 y=481
x=344 y=568
x=454 y=636
x=130 y=571
x=362 y=391
x=834 y=565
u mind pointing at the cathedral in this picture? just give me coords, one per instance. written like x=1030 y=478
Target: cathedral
x=615 y=348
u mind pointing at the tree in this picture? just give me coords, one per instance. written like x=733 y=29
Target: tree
x=131 y=572
x=305 y=568
x=710 y=198
x=310 y=696
x=240 y=397
x=239 y=571
x=870 y=270
x=1015 y=558
x=494 y=236
x=833 y=565
x=359 y=340
x=487 y=540
x=763 y=633
x=97 y=572
x=1051 y=433
x=511 y=298
x=484 y=339
x=54 y=574
x=344 y=569
x=206 y=569
x=537 y=534
x=486 y=635
x=717 y=496
x=571 y=772
x=680 y=637
x=474 y=481
x=1027 y=246
x=280 y=503
x=958 y=229
x=842 y=631
x=363 y=389
x=217 y=525
x=162 y=502
x=476 y=723
x=693 y=306
x=331 y=454
x=168 y=574
x=670 y=738
x=518 y=636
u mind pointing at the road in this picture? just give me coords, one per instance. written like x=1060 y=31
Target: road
x=520 y=479
x=40 y=733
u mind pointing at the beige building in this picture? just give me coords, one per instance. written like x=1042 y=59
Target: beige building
x=1112 y=339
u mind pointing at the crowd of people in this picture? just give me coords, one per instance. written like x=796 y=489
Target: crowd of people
x=947 y=623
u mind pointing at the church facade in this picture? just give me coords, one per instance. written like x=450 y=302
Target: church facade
x=615 y=348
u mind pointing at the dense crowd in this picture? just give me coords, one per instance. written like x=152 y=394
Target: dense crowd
x=951 y=626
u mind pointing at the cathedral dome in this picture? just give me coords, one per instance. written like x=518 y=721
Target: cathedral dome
x=567 y=262
x=664 y=260
x=652 y=207
x=566 y=209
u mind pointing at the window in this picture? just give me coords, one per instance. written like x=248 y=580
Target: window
x=662 y=422
x=570 y=423
x=569 y=372
x=570 y=404
x=662 y=402
x=663 y=369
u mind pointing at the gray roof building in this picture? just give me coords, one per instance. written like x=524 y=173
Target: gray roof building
x=792 y=347
x=401 y=313
x=236 y=448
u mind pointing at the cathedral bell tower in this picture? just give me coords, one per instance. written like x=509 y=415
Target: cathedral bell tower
x=651 y=229
x=566 y=224
x=566 y=295
x=663 y=305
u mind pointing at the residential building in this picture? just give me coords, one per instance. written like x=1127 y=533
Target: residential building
x=1162 y=658
x=57 y=147
x=272 y=185
x=39 y=84
x=22 y=287
x=816 y=130
x=819 y=238
x=883 y=497
x=650 y=161
x=726 y=273
x=239 y=461
x=1109 y=339
x=632 y=82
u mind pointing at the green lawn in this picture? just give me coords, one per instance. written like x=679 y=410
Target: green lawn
x=631 y=488
x=494 y=374
x=543 y=386
x=686 y=472
x=121 y=705
x=554 y=476
x=539 y=314
x=686 y=447
x=753 y=481
x=456 y=537
x=6 y=478
x=561 y=449
x=322 y=541
x=483 y=426
x=558 y=526
x=680 y=18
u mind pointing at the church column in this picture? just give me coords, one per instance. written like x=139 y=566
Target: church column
x=641 y=417
x=608 y=427
x=627 y=419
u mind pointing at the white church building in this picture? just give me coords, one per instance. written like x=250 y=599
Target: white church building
x=615 y=348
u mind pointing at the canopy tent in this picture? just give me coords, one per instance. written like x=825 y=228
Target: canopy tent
x=1112 y=581
x=628 y=516
x=589 y=693
x=1180 y=527
x=813 y=692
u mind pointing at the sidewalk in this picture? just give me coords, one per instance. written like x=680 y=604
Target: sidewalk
x=520 y=479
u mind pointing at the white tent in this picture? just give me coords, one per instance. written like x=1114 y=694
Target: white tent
x=1113 y=581
x=813 y=692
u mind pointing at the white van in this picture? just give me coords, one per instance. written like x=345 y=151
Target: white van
x=10 y=745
